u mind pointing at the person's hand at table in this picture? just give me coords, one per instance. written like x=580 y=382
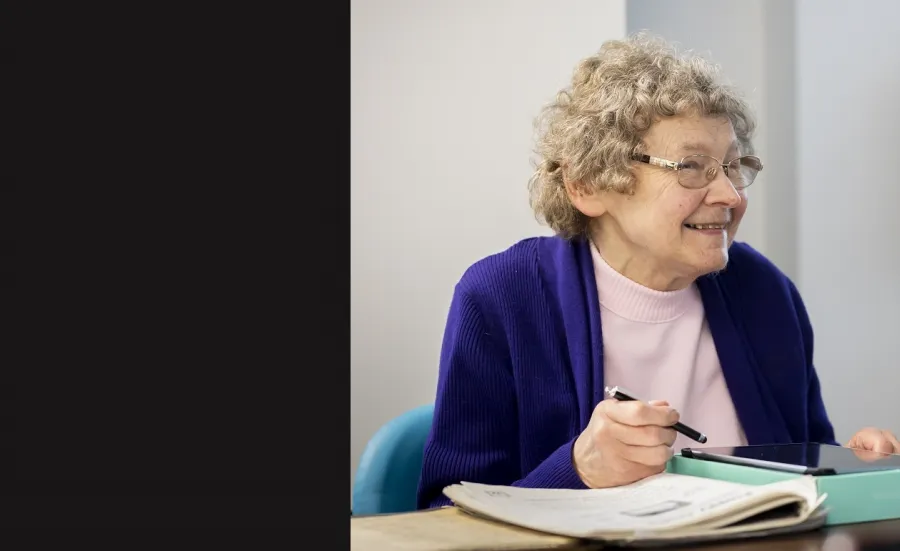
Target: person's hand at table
x=870 y=443
x=625 y=442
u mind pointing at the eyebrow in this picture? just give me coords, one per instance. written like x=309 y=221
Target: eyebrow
x=694 y=147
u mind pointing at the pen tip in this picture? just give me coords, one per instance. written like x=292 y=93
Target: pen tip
x=702 y=439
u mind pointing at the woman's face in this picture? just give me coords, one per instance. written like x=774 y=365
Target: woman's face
x=652 y=236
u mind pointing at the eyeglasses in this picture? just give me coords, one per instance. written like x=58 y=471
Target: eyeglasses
x=697 y=171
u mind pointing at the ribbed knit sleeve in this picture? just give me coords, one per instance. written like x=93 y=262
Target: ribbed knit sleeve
x=474 y=434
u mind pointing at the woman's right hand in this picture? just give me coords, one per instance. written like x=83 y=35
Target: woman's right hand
x=625 y=442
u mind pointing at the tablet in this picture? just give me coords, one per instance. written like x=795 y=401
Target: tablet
x=813 y=459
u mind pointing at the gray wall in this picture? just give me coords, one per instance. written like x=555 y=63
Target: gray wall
x=848 y=61
x=444 y=94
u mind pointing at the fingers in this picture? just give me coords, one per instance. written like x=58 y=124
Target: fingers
x=881 y=444
x=893 y=440
x=863 y=440
x=884 y=442
x=625 y=442
x=650 y=456
x=639 y=414
x=647 y=435
x=868 y=456
x=875 y=440
x=640 y=434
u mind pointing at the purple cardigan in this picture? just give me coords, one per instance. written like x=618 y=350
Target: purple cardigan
x=521 y=365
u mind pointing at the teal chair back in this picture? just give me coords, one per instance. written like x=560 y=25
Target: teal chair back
x=387 y=478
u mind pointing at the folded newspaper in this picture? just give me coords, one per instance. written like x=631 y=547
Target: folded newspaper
x=666 y=506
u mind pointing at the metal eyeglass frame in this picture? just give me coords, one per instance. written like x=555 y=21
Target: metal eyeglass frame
x=677 y=166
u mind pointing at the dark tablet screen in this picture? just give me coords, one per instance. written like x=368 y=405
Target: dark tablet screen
x=821 y=459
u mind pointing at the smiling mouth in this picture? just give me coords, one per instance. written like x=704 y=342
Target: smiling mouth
x=706 y=226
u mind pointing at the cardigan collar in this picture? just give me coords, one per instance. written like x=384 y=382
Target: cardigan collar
x=568 y=270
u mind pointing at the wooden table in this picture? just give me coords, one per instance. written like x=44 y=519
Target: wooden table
x=451 y=529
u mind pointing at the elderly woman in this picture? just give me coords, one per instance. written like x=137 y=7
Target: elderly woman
x=646 y=159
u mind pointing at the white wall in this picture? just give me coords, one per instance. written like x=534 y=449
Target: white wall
x=848 y=60
x=444 y=94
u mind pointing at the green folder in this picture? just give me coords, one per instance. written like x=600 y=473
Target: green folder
x=851 y=498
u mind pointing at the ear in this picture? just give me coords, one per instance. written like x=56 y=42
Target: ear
x=590 y=204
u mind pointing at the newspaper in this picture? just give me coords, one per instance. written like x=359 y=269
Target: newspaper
x=664 y=504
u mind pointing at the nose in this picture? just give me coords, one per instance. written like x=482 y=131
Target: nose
x=721 y=192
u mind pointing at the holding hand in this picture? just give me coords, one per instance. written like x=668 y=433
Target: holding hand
x=625 y=442
x=875 y=440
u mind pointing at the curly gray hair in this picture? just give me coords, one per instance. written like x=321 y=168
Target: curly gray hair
x=595 y=126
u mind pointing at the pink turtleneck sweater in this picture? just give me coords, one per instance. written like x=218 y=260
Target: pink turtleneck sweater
x=658 y=345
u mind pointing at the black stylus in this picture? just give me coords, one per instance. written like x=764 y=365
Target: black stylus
x=623 y=395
